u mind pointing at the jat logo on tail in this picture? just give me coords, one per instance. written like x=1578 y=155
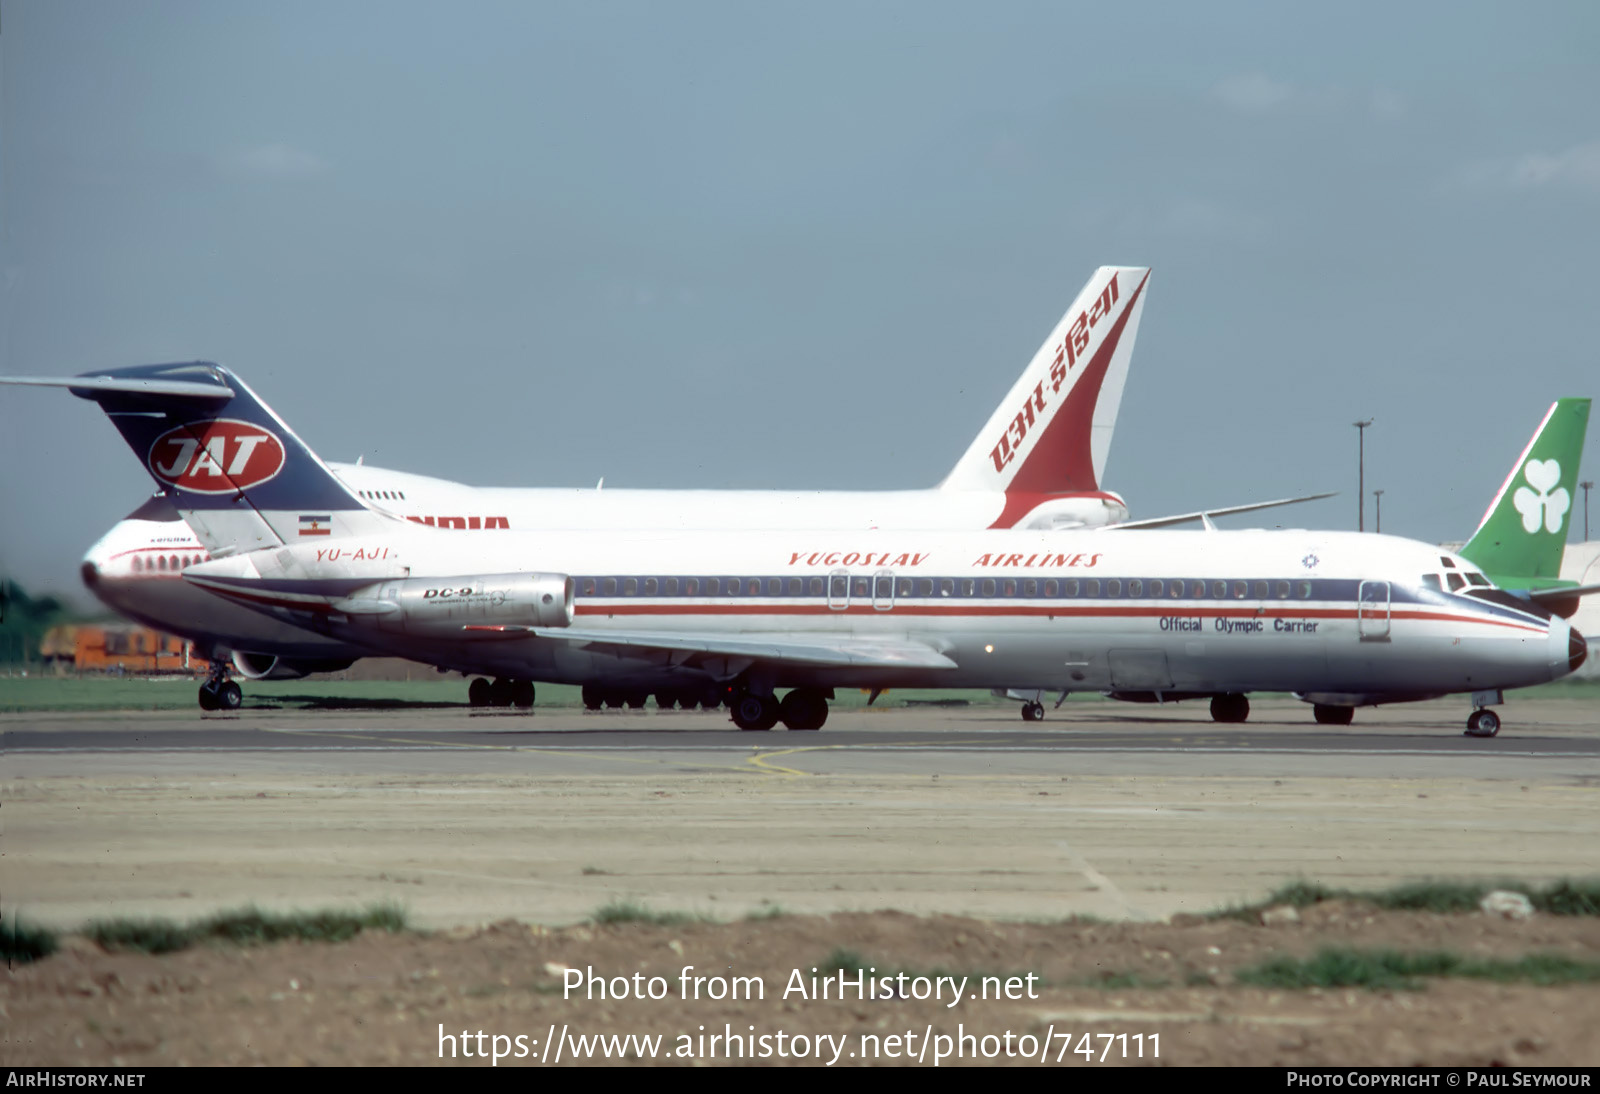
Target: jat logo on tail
x=216 y=456
x=1546 y=503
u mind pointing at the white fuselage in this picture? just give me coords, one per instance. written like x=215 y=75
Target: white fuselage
x=136 y=567
x=1131 y=611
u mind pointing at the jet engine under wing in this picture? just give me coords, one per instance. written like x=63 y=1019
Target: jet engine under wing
x=1207 y=514
x=840 y=651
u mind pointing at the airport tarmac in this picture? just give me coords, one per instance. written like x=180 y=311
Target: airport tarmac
x=467 y=817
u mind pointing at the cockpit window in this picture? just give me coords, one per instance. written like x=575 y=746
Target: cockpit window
x=1478 y=581
x=1431 y=581
x=1449 y=563
x=1457 y=582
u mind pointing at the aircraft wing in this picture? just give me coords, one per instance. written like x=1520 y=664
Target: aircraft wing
x=1207 y=514
x=842 y=651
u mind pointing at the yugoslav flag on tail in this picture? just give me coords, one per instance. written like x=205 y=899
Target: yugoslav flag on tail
x=230 y=466
x=1051 y=434
x=1520 y=541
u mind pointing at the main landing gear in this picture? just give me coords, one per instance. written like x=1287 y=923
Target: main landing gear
x=218 y=692
x=1331 y=715
x=504 y=692
x=1229 y=708
x=595 y=697
x=802 y=708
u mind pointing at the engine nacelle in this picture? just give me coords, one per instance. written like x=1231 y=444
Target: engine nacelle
x=444 y=607
x=264 y=666
x=1085 y=511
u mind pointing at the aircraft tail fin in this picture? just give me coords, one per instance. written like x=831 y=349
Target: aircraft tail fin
x=1052 y=432
x=1524 y=531
x=238 y=474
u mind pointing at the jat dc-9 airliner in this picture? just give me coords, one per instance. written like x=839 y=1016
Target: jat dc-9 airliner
x=1037 y=463
x=808 y=610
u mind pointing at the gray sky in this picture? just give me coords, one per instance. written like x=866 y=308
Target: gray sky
x=804 y=245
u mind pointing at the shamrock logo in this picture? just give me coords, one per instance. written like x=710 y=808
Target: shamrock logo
x=1546 y=503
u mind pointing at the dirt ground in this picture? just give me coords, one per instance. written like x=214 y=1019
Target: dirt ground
x=423 y=999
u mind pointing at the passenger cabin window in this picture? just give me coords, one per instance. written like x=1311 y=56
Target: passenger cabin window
x=713 y=586
x=1049 y=588
x=650 y=586
x=1219 y=589
x=1283 y=590
x=691 y=586
x=988 y=586
x=947 y=587
x=733 y=586
x=924 y=586
x=630 y=586
x=588 y=586
x=797 y=585
x=1114 y=587
x=1070 y=587
x=1240 y=588
x=1135 y=587
x=1030 y=588
x=816 y=586
x=609 y=587
x=1305 y=590
x=1091 y=587
x=670 y=586
x=860 y=587
x=1261 y=590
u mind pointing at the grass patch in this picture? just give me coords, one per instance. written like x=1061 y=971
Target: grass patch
x=773 y=912
x=1390 y=970
x=22 y=943
x=248 y=927
x=1565 y=897
x=620 y=912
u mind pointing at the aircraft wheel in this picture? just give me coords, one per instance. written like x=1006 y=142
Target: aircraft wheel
x=711 y=698
x=208 y=697
x=1033 y=712
x=754 y=712
x=478 y=692
x=803 y=708
x=593 y=698
x=1229 y=708
x=1483 y=723
x=666 y=700
x=1333 y=716
x=230 y=697
x=636 y=699
x=613 y=699
x=500 y=692
x=522 y=693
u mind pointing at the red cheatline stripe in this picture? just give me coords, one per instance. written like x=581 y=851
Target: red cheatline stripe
x=1029 y=610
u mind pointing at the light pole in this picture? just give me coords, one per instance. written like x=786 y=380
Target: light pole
x=1361 y=474
x=1586 y=487
x=1377 y=498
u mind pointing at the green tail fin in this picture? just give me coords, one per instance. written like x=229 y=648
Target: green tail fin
x=1524 y=532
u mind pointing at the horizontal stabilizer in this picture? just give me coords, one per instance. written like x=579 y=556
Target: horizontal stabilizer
x=87 y=386
x=1206 y=514
x=1563 y=593
x=845 y=652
